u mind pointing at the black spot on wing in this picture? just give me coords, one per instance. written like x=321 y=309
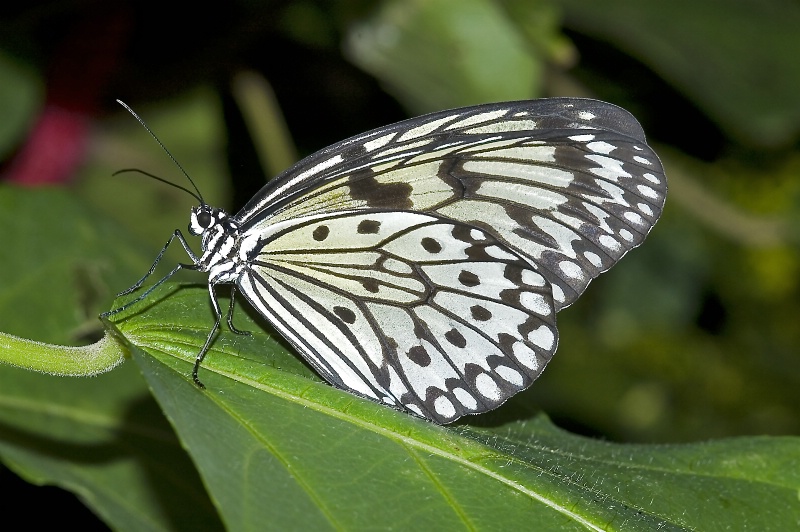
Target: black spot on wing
x=468 y=278
x=366 y=227
x=345 y=314
x=370 y=285
x=456 y=338
x=419 y=356
x=321 y=233
x=431 y=245
x=480 y=313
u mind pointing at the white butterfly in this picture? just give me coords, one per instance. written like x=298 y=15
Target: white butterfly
x=421 y=264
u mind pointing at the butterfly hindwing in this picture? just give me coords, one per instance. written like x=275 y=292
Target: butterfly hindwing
x=408 y=309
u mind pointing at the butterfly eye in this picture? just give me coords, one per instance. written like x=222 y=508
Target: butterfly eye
x=204 y=219
x=200 y=221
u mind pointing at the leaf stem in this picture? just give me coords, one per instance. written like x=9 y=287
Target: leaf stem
x=82 y=361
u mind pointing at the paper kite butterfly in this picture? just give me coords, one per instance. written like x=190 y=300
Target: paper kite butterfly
x=421 y=264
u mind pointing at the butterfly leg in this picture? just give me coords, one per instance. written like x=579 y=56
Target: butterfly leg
x=202 y=354
x=230 y=314
x=211 y=334
x=177 y=234
x=149 y=291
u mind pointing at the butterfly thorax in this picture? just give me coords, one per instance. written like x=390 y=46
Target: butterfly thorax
x=220 y=236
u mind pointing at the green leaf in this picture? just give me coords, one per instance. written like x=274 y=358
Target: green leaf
x=280 y=449
x=444 y=54
x=103 y=438
x=106 y=440
x=734 y=60
x=60 y=265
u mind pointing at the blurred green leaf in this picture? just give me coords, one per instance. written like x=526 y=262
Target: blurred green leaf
x=105 y=439
x=735 y=60
x=428 y=55
x=65 y=263
x=21 y=93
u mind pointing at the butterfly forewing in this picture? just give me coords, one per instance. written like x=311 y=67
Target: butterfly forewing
x=568 y=184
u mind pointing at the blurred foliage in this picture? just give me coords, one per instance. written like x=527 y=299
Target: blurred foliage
x=693 y=336
x=20 y=90
x=427 y=55
x=733 y=60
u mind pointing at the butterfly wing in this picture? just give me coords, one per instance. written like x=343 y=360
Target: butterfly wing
x=408 y=309
x=568 y=184
x=558 y=189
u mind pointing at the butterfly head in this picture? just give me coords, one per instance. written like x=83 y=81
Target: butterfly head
x=204 y=217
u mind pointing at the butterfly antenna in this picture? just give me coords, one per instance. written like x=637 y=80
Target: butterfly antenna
x=174 y=160
x=170 y=183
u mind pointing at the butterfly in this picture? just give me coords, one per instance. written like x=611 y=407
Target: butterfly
x=421 y=265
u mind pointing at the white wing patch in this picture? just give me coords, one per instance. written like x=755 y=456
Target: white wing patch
x=425 y=128
x=517 y=125
x=523 y=172
x=379 y=142
x=479 y=118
